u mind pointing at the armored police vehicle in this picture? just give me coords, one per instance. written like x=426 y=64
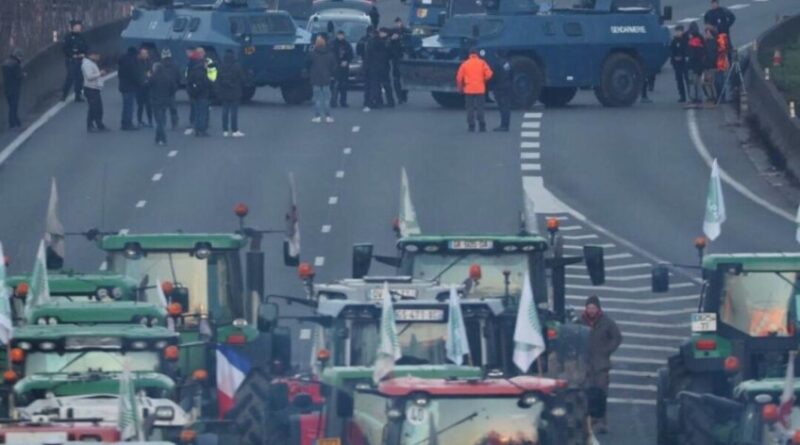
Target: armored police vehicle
x=268 y=44
x=611 y=46
x=426 y=17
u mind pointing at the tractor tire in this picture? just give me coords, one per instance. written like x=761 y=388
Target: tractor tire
x=448 y=100
x=296 y=93
x=664 y=435
x=576 y=426
x=621 y=81
x=550 y=434
x=248 y=93
x=252 y=413
x=556 y=97
x=526 y=82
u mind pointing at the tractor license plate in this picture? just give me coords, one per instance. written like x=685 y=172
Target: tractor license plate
x=329 y=441
x=411 y=315
x=36 y=438
x=471 y=244
x=704 y=322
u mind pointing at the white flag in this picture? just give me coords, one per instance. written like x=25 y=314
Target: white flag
x=40 y=287
x=797 y=220
x=715 y=205
x=292 y=221
x=531 y=224
x=787 y=397
x=128 y=417
x=457 y=345
x=389 y=346
x=54 y=230
x=528 y=340
x=6 y=323
x=407 y=221
x=162 y=297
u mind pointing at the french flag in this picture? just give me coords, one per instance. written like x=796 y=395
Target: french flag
x=232 y=368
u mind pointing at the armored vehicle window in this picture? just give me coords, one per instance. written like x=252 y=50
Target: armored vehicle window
x=180 y=24
x=462 y=26
x=271 y=24
x=573 y=29
x=442 y=3
x=194 y=24
x=632 y=5
x=466 y=7
x=238 y=25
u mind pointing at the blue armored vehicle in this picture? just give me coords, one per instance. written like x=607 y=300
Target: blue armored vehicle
x=611 y=46
x=426 y=17
x=268 y=43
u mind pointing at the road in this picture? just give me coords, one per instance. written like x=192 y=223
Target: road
x=628 y=179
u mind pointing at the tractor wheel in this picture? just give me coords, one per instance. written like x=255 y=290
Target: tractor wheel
x=576 y=427
x=248 y=93
x=549 y=434
x=555 y=97
x=448 y=100
x=664 y=435
x=526 y=82
x=296 y=93
x=251 y=412
x=621 y=81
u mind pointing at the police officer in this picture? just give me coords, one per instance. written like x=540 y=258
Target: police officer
x=361 y=50
x=12 y=85
x=378 y=69
x=75 y=47
x=344 y=55
x=501 y=87
x=397 y=46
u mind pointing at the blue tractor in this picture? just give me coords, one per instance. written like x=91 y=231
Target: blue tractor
x=611 y=46
x=268 y=43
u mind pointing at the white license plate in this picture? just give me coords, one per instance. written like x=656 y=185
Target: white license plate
x=406 y=315
x=36 y=438
x=704 y=322
x=471 y=244
x=283 y=47
x=377 y=294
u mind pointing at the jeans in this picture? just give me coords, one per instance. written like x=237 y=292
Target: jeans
x=160 y=115
x=695 y=86
x=94 y=117
x=200 y=108
x=143 y=107
x=322 y=99
x=339 y=90
x=127 y=109
x=681 y=78
x=475 y=106
x=230 y=113
x=173 y=112
x=503 y=98
x=13 y=110
x=74 y=79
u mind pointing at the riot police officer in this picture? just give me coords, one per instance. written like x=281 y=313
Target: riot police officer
x=75 y=47
x=501 y=87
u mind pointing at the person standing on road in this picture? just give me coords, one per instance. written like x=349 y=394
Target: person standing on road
x=199 y=86
x=361 y=50
x=75 y=47
x=163 y=86
x=397 y=47
x=12 y=86
x=92 y=85
x=695 y=63
x=722 y=19
x=710 y=74
x=344 y=55
x=501 y=87
x=230 y=85
x=677 y=58
x=167 y=64
x=379 y=69
x=471 y=82
x=143 y=106
x=604 y=339
x=128 y=75
x=322 y=69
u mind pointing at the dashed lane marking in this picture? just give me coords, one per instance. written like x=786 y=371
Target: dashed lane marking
x=157 y=177
x=579 y=237
x=570 y=228
x=612 y=278
x=618 y=256
x=658 y=313
x=141 y=204
x=532 y=124
x=530 y=134
x=103 y=266
x=633 y=373
x=347 y=150
x=319 y=261
x=333 y=200
x=531 y=167
x=172 y=153
x=525 y=145
x=651 y=388
x=739 y=6
x=356 y=129
x=124 y=231
x=688 y=20
x=626 y=333
x=525 y=156
x=533 y=115
x=618 y=401
x=326 y=228
x=340 y=174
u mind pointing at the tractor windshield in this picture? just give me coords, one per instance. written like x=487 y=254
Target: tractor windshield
x=88 y=361
x=757 y=303
x=421 y=343
x=454 y=269
x=207 y=280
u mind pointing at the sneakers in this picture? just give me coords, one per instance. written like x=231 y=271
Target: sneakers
x=225 y=134
x=500 y=128
x=316 y=120
x=237 y=134
x=366 y=109
x=329 y=119
x=189 y=131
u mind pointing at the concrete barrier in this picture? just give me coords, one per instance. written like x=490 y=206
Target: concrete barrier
x=769 y=108
x=46 y=70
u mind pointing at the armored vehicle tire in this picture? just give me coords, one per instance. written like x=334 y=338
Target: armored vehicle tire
x=554 y=97
x=296 y=93
x=620 y=81
x=526 y=82
x=248 y=93
x=251 y=412
x=448 y=100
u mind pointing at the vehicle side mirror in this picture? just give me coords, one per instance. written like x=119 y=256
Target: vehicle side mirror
x=667 y=16
x=344 y=405
x=288 y=259
x=441 y=19
x=595 y=264
x=267 y=316
x=362 y=259
x=659 y=279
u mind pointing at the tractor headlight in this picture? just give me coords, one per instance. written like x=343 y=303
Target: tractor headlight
x=47 y=346
x=394 y=414
x=240 y=323
x=161 y=344
x=24 y=345
x=52 y=321
x=528 y=400
x=165 y=413
x=139 y=344
x=558 y=411
x=41 y=321
x=102 y=293
x=116 y=293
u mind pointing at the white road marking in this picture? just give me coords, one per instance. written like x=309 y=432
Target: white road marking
x=545 y=201
x=124 y=231
x=688 y=20
x=651 y=325
x=356 y=129
x=172 y=153
x=637 y=301
x=570 y=228
x=577 y=247
x=608 y=278
x=326 y=228
x=579 y=237
x=535 y=125
x=141 y=204
x=650 y=388
x=530 y=134
x=760 y=1
x=618 y=256
x=624 y=289
x=340 y=174
x=639 y=360
x=648 y=347
x=531 y=167
x=347 y=150
x=700 y=146
x=529 y=155
x=627 y=334
x=333 y=200
x=533 y=115
x=319 y=261
x=739 y=6
x=633 y=373
x=305 y=334
x=157 y=177
x=658 y=313
x=530 y=145
x=618 y=401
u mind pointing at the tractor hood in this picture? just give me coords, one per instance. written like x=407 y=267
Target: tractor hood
x=771 y=386
x=405 y=310
x=62 y=384
x=98 y=313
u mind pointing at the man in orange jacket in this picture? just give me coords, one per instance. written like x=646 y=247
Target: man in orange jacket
x=471 y=81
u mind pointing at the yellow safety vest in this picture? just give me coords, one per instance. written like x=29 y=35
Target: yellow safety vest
x=211 y=70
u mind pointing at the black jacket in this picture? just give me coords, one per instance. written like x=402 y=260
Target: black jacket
x=322 y=67
x=12 y=76
x=343 y=51
x=145 y=71
x=501 y=79
x=678 y=50
x=197 y=83
x=128 y=73
x=721 y=18
x=74 y=46
x=376 y=59
x=711 y=48
x=696 y=54
x=230 y=80
x=164 y=83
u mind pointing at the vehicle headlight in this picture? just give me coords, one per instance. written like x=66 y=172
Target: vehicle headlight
x=41 y=321
x=510 y=248
x=139 y=344
x=528 y=400
x=144 y=321
x=421 y=400
x=165 y=413
x=47 y=346
x=24 y=345
x=52 y=320
x=394 y=414
x=411 y=248
x=161 y=344
x=558 y=411
x=240 y=322
x=102 y=293
x=116 y=293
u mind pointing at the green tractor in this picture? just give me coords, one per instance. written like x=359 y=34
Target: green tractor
x=744 y=329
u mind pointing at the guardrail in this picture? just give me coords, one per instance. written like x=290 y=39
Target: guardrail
x=769 y=108
x=46 y=70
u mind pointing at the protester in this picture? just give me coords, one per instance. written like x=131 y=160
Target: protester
x=12 y=86
x=604 y=339
x=397 y=47
x=75 y=47
x=167 y=64
x=344 y=55
x=722 y=65
x=129 y=79
x=230 y=84
x=163 y=86
x=321 y=72
x=143 y=106
x=722 y=19
x=378 y=69
x=695 y=60
x=710 y=73
x=501 y=87
x=199 y=85
x=361 y=50
x=92 y=85
x=678 y=59
x=471 y=82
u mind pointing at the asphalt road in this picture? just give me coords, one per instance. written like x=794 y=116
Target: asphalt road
x=611 y=175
